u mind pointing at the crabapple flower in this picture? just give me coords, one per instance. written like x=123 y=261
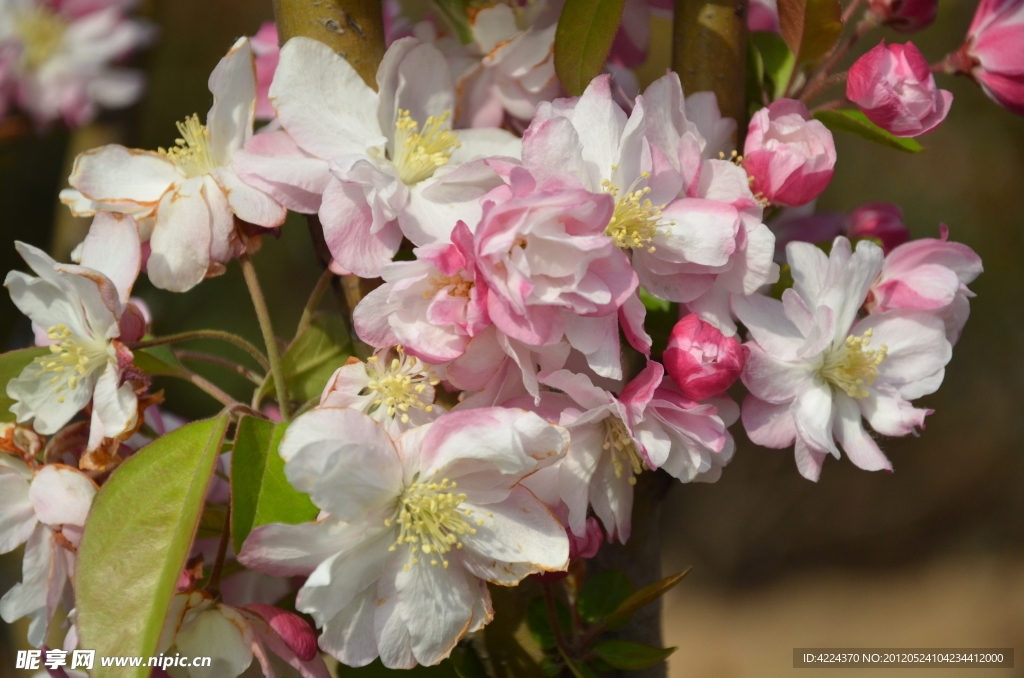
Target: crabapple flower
x=789 y=157
x=764 y=16
x=701 y=360
x=815 y=370
x=396 y=390
x=56 y=58
x=551 y=270
x=992 y=53
x=80 y=308
x=906 y=16
x=45 y=506
x=186 y=198
x=894 y=87
x=267 y=53
x=411 y=528
x=928 y=275
x=882 y=221
x=393 y=159
x=199 y=626
x=432 y=306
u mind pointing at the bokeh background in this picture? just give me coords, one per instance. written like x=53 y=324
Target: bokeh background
x=931 y=555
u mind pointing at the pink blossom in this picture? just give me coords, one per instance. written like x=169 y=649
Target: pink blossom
x=701 y=360
x=928 y=275
x=906 y=16
x=267 y=53
x=789 y=156
x=895 y=88
x=763 y=15
x=550 y=269
x=994 y=52
x=880 y=220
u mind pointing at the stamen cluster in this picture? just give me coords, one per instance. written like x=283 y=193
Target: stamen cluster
x=431 y=520
x=70 y=358
x=634 y=223
x=623 y=449
x=418 y=153
x=400 y=384
x=853 y=366
x=41 y=31
x=191 y=152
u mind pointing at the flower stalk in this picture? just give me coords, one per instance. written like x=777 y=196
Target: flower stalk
x=263 y=315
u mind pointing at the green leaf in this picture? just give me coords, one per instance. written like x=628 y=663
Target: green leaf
x=623 y=654
x=539 y=622
x=260 y=492
x=157 y=361
x=455 y=12
x=136 y=541
x=602 y=594
x=644 y=596
x=811 y=28
x=778 y=60
x=653 y=303
x=312 y=358
x=11 y=365
x=854 y=122
x=583 y=40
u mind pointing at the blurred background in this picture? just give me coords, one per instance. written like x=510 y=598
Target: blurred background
x=931 y=555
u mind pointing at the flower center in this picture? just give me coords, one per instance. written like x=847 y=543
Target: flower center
x=853 y=366
x=430 y=519
x=400 y=384
x=191 y=152
x=634 y=223
x=623 y=449
x=41 y=31
x=418 y=153
x=71 y=358
x=459 y=286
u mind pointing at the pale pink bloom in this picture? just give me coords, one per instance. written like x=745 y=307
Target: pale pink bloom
x=45 y=506
x=387 y=163
x=199 y=626
x=789 y=156
x=894 y=87
x=412 y=528
x=432 y=306
x=185 y=199
x=994 y=52
x=815 y=370
x=551 y=270
x=880 y=220
x=763 y=15
x=56 y=58
x=396 y=390
x=267 y=54
x=701 y=360
x=906 y=16
x=80 y=308
x=928 y=275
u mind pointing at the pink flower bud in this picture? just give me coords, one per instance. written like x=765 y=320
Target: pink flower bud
x=789 y=156
x=587 y=545
x=880 y=220
x=994 y=52
x=763 y=15
x=906 y=16
x=267 y=53
x=292 y=628
x=701 y=360
x=895 y=88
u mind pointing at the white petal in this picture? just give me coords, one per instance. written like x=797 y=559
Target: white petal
x=211 y=634
x=118 y=175
x=290 y=550
x=37 y=399
x=389 y=626
x=112 y=247
x=348 y=636
x=180 y=242
x=248 y=203
x=233 y=84
x=115 y=409
x=29 y=597
x=61 y=495
x=436 y=604
x=17 y=516
x=337 y=581
x=862 y=450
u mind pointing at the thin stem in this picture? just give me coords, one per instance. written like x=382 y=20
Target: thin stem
x=833 y=105
x=213 y=587
x=210 y=388
x=314 y=300
x=260 y=304
x=819 y=81
x=215 y=360
x=556 y=627
x=849 y=11
x=206 y=334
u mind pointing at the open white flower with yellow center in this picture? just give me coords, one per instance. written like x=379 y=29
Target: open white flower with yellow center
x=397 y=166
x=80 y=308
x=185 y=198
x=56 y=58
x=395 y=389
x=412 y=528
x=815 y=369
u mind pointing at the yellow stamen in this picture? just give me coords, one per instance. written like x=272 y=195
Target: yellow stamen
x=418 y=153
x=191 y=152
x=41 y=31
x=430 y=519
x=71 y=358
x=459 y=286
x=400 y=385
x=634 y=223
x=623 y=448
x=852 y=367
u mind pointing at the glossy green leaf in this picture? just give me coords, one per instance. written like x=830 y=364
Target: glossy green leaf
x=778 y=61
x=583 y=40
x=312 y=358
x=653 y=303
x=602 y=594
x=854 y=122
x=260 y=492
x=11 y=365
x=644 y=596
x=624 y=654
x=136 y=541
x=811 y=28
